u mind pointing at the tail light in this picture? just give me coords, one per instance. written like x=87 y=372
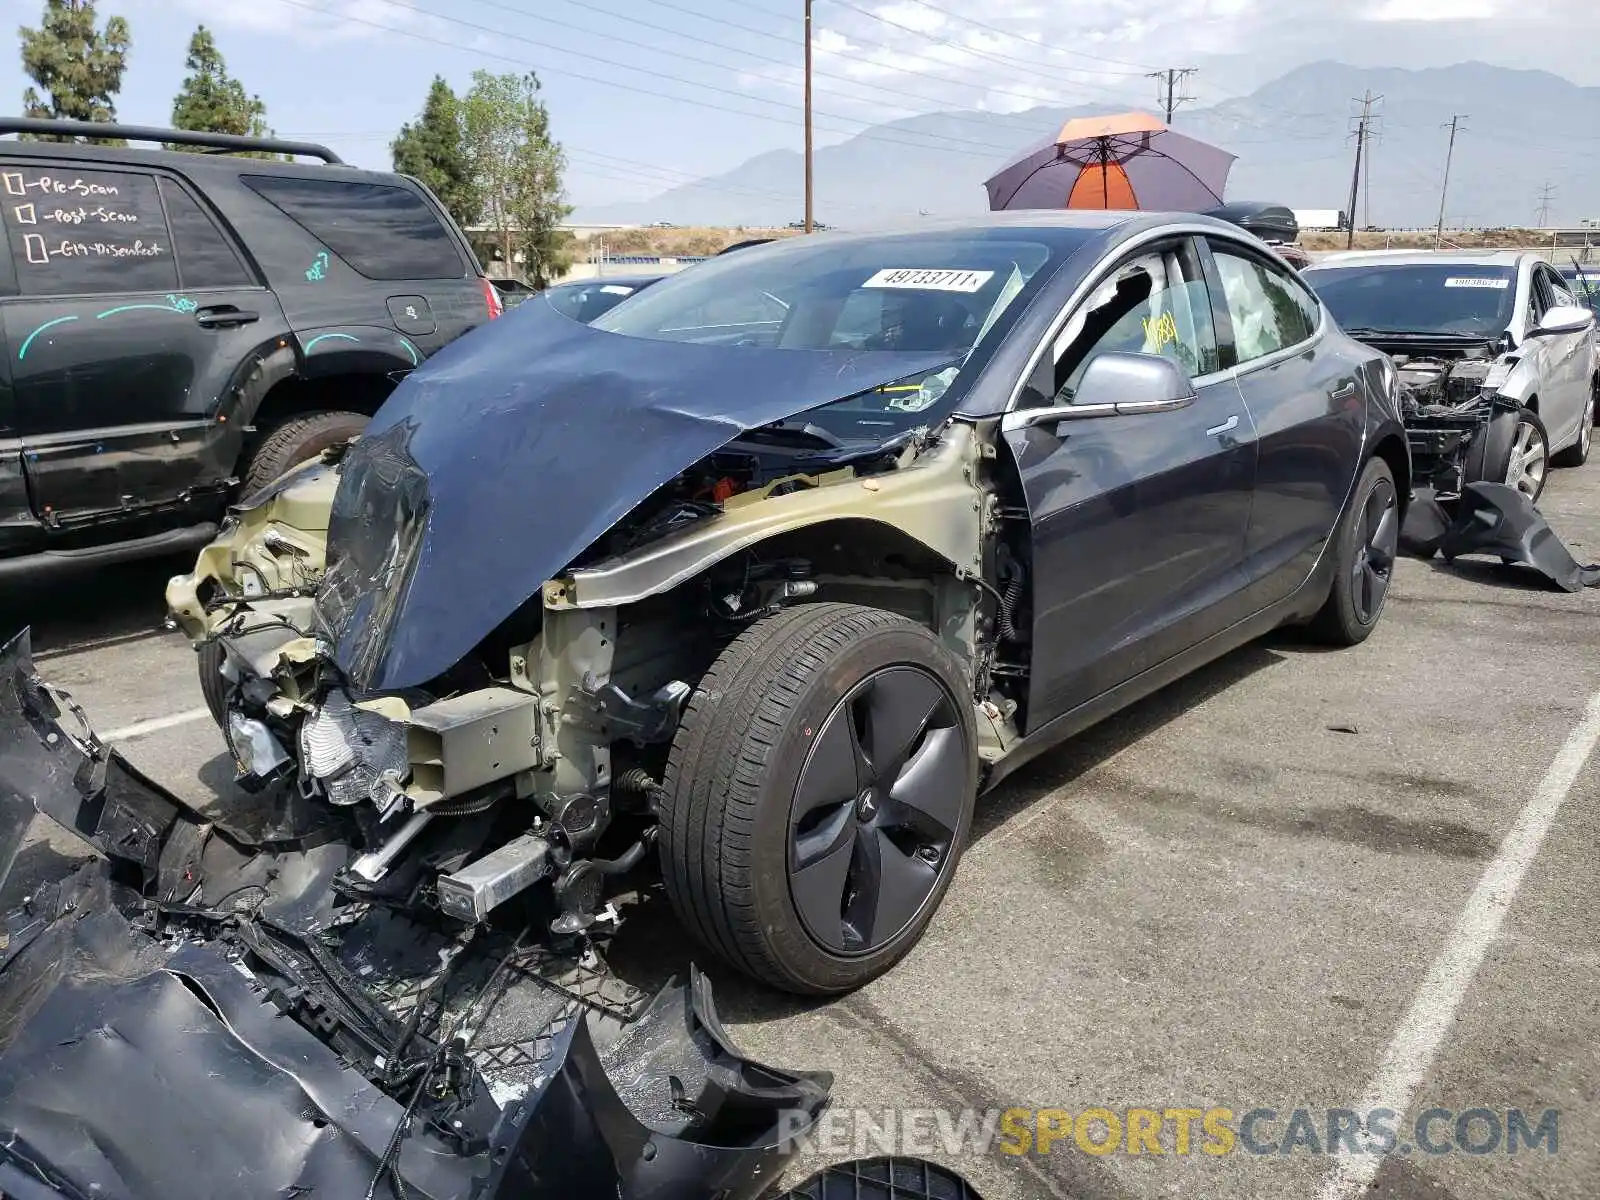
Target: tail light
x=491 y=298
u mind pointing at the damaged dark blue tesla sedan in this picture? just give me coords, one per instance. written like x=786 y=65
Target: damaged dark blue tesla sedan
x=755 y=583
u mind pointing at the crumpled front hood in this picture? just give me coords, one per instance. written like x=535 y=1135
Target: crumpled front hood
x=512 y=450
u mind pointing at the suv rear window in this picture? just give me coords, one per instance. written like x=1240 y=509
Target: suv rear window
x=382 y=231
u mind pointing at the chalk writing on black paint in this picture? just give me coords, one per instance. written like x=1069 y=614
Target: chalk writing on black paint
x=40 y=252
x=16 y=184
x=90 y=216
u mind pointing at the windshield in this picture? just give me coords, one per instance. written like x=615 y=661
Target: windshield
x=590 y=299
x=1423 y=298
x=1585 y=285
x=954 y=295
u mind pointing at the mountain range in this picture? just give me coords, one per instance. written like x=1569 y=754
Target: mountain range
x=1522 y=130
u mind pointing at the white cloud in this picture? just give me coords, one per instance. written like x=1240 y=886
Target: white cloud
x=324 y=20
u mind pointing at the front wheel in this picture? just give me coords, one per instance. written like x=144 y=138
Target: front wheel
x=818 y=795
x=1364 y=548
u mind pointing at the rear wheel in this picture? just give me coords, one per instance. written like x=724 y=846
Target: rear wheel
x=1577 y=454
x=818 y=795
x=1365 y=547
x=295 y=441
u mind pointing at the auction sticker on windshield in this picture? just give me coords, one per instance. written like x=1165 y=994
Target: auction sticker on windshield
x=1497 y=284
x=929 y=280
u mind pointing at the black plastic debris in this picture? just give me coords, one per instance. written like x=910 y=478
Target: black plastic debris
x=885 y=1179
x=192 y=1015
x=1496 y=520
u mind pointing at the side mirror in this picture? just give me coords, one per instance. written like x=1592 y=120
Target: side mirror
x=1117 y=384
x=1563 y=318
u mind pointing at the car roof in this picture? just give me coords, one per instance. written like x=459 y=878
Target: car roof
x=191 y=164
x=1414 y=258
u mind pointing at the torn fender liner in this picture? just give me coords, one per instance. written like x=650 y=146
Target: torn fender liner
x=1499 y=520
x=511 y=451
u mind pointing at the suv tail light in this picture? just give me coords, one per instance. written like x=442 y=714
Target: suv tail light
x=491 y=298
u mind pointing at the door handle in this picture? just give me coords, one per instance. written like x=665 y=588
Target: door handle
x=224 y=316
x=1344 y=392
x=1227 y=426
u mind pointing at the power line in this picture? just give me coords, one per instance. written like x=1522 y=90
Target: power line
x=1173 y=76
x=1011 y=64
x=1363 y=129
x=1137 y=67
x=922 y=98
x=1444 y=188
x=988 y=152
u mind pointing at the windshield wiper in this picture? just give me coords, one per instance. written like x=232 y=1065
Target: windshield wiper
x=1416 y=334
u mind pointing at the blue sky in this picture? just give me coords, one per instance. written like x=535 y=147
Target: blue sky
x=640 y=91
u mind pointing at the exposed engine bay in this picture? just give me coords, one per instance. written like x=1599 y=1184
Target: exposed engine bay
x=535 y=761
x=1450 y=400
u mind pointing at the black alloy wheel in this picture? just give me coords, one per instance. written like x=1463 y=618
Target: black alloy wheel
x=1373 y=568
x=876 y=810
x=818 y=795
x=1364 y=548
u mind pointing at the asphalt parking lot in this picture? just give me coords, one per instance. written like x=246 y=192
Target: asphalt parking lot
x=1299 y=880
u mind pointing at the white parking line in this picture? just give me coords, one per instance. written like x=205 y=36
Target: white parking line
x=155 y=725
x=1416 y=1042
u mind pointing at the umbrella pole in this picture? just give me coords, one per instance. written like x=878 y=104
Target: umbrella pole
x=1105 y=173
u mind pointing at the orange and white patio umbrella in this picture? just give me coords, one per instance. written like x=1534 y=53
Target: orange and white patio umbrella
x=1125 y=161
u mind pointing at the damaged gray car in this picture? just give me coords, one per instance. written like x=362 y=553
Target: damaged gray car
x=769 y=572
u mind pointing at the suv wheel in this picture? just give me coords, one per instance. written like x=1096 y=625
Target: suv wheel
x=1364 y=548
x=818 y=796
x=295 y=441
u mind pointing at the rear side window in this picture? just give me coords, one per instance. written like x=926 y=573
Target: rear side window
x=382 y=231
x=75 y=232
x=206 y=259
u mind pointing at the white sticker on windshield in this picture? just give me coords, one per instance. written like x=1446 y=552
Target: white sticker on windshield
x=616 y=289
x=1496 y=284
x=929 y=280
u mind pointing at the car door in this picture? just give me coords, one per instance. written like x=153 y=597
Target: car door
x=1566 y=400
x=1138 y=521
x=1309 y=410
x=133 y=316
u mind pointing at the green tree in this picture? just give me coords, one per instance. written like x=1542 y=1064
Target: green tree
x=211 y=101
x=517 y=166
x=434 y=150
x=78 y=66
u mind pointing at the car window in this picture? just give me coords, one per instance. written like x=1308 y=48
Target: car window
x=1556 y=288
x=381 y=230
x=586 y=301
x=1449 y=298
x=1155 y=304
x=951 y=297
x=83 y=232
x=1539 y=298
x=206 y=259
x=1265 y=306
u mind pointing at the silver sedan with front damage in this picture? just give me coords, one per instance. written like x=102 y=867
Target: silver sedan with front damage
x=771 y=570
x=1496 y=359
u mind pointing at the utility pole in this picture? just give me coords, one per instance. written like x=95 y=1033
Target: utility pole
x=1546 y=194
x=1172 y=76
x=1444 y=188
x=811 y=215
x=1363 y=130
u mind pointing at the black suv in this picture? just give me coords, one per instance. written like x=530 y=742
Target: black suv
x=181 y=328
